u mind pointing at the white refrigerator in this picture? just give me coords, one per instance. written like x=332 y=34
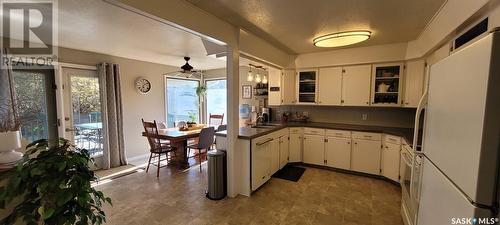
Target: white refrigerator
x=460 y=145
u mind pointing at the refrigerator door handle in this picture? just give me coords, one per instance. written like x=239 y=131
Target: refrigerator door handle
x=421 y=106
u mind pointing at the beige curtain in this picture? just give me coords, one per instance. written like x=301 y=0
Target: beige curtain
x=112 y=115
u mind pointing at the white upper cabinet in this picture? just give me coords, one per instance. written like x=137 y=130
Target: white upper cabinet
x=356 y=85
x=274 y=82
x=330 y=86
x=414 y=83
x=387 y=80
x=307 y=86
x=288 y=87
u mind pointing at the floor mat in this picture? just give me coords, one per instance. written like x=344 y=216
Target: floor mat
x=291 y=173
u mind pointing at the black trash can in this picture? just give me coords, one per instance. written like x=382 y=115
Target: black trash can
x=217 y=175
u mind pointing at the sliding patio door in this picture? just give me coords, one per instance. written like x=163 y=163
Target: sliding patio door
x=82 y=109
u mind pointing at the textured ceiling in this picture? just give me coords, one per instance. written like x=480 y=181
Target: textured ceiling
x=108 y=29
x=293 y=24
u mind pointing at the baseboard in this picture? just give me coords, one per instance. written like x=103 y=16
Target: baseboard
x=348 y=172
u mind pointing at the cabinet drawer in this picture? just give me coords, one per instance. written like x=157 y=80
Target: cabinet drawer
x=392 y=139
x=315 y=131
x=297 y=130
x=263 y=139
x=338 y=133
x=367 y=136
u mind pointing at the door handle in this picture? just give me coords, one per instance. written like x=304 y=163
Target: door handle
x=70 y=129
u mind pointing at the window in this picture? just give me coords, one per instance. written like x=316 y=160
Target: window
x=216 y=98
x=36 y=103
x=182 y=101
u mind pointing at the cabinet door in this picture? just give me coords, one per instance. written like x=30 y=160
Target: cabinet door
x=330 y=86
x=338 y=152
x=274 y=82
x=288 y=87
x=314 y=149
x=390 y=161
x=414 y=83
x=387 y=82
x=261 y=162
x=295 y=147
x=356 y=85
x=275 y=155
x=284 y=153
x=307 y=81
x=366 y=156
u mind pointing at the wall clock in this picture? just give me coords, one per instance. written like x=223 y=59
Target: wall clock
x=143 y=85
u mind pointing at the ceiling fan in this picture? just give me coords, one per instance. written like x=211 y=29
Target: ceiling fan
x=186 y=71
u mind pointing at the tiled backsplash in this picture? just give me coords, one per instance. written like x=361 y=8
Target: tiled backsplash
x=391 y=117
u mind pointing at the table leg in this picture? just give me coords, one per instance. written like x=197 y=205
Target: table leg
x=181 y=152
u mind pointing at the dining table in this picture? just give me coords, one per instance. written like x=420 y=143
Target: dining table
x=179 y=139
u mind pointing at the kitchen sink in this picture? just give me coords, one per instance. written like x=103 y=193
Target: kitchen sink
x=268 y=126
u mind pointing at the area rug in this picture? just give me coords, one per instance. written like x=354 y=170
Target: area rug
x=291 y=173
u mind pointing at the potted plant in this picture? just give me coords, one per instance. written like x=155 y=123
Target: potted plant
x=201 y=90
x=10 y=137
x=52 y=185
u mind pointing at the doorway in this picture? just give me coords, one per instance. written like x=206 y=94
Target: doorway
x=82 y=110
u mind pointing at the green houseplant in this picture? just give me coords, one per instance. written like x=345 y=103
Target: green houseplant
x=52 y=184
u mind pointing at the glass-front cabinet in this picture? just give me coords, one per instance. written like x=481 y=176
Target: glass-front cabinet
x=307 y=86
x=387 y=84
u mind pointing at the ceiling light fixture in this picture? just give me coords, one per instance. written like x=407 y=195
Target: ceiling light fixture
x=341 y=38
x=250 y=75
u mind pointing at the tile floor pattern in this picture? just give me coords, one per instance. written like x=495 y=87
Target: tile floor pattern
x=320 y=197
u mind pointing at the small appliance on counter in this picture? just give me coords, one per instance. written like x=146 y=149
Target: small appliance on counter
x=266 y=115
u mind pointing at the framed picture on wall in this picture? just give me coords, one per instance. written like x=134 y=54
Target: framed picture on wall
x=247 y=91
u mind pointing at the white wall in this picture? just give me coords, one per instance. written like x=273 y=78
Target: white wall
x=135 y=106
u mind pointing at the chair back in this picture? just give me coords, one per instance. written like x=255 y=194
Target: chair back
x=221 y=128
x=151 y=130
x=206 y=138
x=215 y=120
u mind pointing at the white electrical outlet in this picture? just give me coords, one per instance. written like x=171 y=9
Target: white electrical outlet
x=364 y=116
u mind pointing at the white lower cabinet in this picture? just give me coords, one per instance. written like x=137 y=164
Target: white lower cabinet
x=314 y=149
x=390 y=161
x=365 y=156
x=275 y=155
x=295 y=147
x=284 y=150
x=338 y=152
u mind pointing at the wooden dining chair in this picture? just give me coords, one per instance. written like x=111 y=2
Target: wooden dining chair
x=205 y=142
x=157 y=147
x=215 y=120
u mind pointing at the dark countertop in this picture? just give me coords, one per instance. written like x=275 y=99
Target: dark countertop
x=251 y=133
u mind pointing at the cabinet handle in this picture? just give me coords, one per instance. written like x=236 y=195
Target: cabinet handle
x=355 y=143
x=348 y=142
x=367 y=136
x=386 y=147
